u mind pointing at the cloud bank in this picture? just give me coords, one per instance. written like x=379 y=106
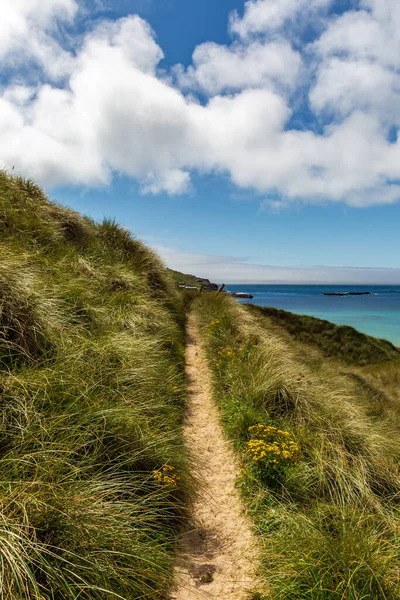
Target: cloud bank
x=231 y=269
x=100 y=104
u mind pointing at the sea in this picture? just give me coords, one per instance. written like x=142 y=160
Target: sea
x=377 y=314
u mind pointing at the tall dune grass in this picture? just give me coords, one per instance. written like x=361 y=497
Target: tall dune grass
x=92 y=395
x=329 y=525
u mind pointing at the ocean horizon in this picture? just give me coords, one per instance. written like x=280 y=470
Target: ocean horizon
x=377 y=314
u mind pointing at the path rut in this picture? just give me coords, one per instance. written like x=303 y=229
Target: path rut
x=218 y=556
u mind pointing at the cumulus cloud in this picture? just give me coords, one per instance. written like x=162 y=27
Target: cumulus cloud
x=28 y=33
x=344 y=86
x=107 y=108
x=371 y=33
x=232 y=269
x=217 y=69
x=269 y=16
x=115 y=115
x=173 y=182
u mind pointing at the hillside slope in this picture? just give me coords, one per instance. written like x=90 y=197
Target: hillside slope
x=338 y=341
x=92 y=394
x=320 y=451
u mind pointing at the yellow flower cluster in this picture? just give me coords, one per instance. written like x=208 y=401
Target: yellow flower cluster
x=267 y=431
x=222 y=356
x=272 y=446
x=173 y=388
x=166 y=476
x=225 y=352
x=213 y=323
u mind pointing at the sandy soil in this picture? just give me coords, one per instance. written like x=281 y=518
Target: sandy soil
x=218 y=551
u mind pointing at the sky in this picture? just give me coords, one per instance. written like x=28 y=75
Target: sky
x=244 y=140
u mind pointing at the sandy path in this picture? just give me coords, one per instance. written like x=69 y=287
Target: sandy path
x=218 y=557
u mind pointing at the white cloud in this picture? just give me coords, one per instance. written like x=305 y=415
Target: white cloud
x=20 y=95
x=359 y=60
x=128 y=41
x=114 y=111
x=344 y=86
x=267 y=16
x=217 y=69
x=231 y=269
x=387 y=13
x=356 y=34
x=27 y=33
x=115 y=115
x=173 y=182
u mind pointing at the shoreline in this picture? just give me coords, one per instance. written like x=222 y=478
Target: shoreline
x=376 y=314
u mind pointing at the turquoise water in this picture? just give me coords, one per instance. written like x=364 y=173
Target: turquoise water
x=377 y=315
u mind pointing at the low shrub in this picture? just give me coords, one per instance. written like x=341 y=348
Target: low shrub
x=271 y=452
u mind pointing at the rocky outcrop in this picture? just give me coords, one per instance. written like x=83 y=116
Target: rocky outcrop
x=207 y=285
x=241 y=295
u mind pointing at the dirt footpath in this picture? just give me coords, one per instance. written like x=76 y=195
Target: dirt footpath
x=219 y=551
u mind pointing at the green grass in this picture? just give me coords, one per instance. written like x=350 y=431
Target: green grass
x=179 y=277
x=338 y=341
x=328 y=526
x=92 y=395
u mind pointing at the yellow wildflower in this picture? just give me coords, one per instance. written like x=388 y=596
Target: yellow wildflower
x=213 y=323
x=166 y=476
x=272 y=446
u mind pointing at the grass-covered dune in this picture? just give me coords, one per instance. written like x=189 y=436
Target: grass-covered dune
x=91 y=392
x=338 y=341
x=320 y=450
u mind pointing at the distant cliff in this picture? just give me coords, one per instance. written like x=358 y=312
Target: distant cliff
x=186 y=279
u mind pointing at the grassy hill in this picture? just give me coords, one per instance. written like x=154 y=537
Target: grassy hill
x=192 y=280
x=319 y=446
x=92 y=395
x=339 y=341
x=179 y=277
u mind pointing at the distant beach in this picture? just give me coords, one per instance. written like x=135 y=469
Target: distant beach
x=377 y=313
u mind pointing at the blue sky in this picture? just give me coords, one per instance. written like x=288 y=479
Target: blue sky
x=269 y=155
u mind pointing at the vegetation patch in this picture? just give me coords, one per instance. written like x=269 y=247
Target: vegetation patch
x=271 y=452
x=337 y=341
x=327 y=511
x=92 y=394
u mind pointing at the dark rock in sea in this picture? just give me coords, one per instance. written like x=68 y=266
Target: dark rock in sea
x=240 y=295
x=347 y=294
